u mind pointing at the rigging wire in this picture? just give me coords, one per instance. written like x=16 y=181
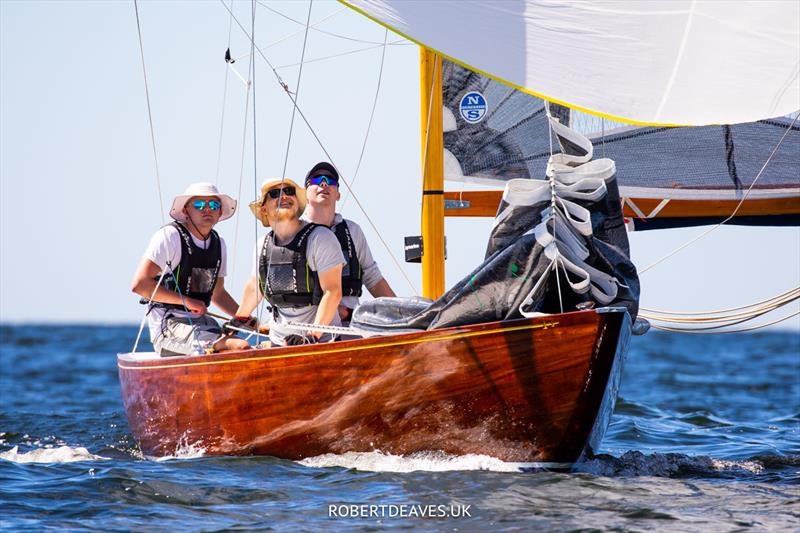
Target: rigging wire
x=735 y=210
x=149 y=113
x=342 y=54
x=241 y=165
x=224 y=100
x=325 y=151
x=287 y=17
x=297 y=90
x=369 y=124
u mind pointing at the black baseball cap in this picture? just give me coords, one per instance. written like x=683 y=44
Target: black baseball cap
x=322 y=168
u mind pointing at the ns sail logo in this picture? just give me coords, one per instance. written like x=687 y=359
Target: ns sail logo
x=473 y=107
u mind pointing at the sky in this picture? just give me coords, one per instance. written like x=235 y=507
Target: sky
x=80 y=196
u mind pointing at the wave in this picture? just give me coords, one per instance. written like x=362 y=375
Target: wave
x=61 y=454
x=377 y=461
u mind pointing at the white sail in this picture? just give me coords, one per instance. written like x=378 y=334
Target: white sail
x=668 y=62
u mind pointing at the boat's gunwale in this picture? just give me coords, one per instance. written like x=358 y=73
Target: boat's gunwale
x=127 y=362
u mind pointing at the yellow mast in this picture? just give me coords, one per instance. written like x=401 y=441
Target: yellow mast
x=433 y=174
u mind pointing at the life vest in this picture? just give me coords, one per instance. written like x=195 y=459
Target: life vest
x=197 y=271
x=351 y=273
x=284 y=276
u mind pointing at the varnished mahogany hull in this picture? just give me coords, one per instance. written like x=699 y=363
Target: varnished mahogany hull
x=531 y=390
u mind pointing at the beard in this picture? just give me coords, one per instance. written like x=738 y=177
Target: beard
x=282 y=214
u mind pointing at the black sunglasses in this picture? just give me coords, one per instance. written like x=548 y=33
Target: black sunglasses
x=287 y=191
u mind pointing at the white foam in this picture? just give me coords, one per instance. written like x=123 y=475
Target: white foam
x=184 y=451
x=378 y=461
x=62 y=454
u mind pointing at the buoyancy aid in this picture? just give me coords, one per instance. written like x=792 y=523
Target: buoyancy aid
x=197 y=272
x=284 y=276
x=351 y=273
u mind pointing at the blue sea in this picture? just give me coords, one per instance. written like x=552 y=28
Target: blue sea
x=705 y=437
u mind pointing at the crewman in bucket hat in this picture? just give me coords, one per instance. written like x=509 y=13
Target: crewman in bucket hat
x=297 y=266
x=182 y=272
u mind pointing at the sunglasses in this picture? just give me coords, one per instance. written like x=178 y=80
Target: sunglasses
x=214 y=205
x=276 y=193
x=319 y=180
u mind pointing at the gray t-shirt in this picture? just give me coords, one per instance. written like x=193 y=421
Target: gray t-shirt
x=371 y=274
x=323 y=253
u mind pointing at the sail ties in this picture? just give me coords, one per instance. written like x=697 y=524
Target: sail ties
x=565 y=228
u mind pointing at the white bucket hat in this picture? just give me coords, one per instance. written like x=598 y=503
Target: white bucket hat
x=202 y=189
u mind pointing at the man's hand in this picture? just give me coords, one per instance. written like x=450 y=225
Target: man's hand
x=345 y=313
x=297 y=340
x=240 y=322
x=195 y=306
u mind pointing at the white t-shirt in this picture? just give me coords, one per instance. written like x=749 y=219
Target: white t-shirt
x=322 y=253
x=165 y=245
x=370 y=273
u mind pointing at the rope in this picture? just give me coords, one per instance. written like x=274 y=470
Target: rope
x=721 y=310
x=720 y=321
x=149 y=113
x=736 y=209
x=740 y=330
x=224 y=100
x=325 y=151
x=369 y=124
x=297 y=89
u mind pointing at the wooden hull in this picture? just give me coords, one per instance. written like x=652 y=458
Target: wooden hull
x=531 y=390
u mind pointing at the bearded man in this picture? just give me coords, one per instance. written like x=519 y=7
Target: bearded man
x=297 y=266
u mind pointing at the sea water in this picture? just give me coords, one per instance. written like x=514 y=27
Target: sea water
x=705 y=437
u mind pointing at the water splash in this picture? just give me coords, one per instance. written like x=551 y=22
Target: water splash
x=62 y=454
x=377 y=461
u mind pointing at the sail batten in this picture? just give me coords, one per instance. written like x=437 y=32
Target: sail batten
x=669 y=62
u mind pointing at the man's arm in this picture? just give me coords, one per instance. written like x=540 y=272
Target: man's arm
x=381 y=288
x=250 y=298
x=144 y=283
x=223 y=299
x=330 y=282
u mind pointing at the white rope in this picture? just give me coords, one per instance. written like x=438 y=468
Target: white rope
x=224 y=101
x=700 y=331
x=149 y=114
x=768 y=300
x=736 y=209
x=327 y=154
x=369 y=124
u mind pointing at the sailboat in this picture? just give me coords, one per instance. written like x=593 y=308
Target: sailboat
x=521 y=360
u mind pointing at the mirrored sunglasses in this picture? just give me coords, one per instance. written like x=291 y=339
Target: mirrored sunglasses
x=319 y=180
x=214 y=205
x=276 y=193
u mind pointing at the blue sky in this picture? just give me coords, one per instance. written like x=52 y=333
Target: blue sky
x=78 y=189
